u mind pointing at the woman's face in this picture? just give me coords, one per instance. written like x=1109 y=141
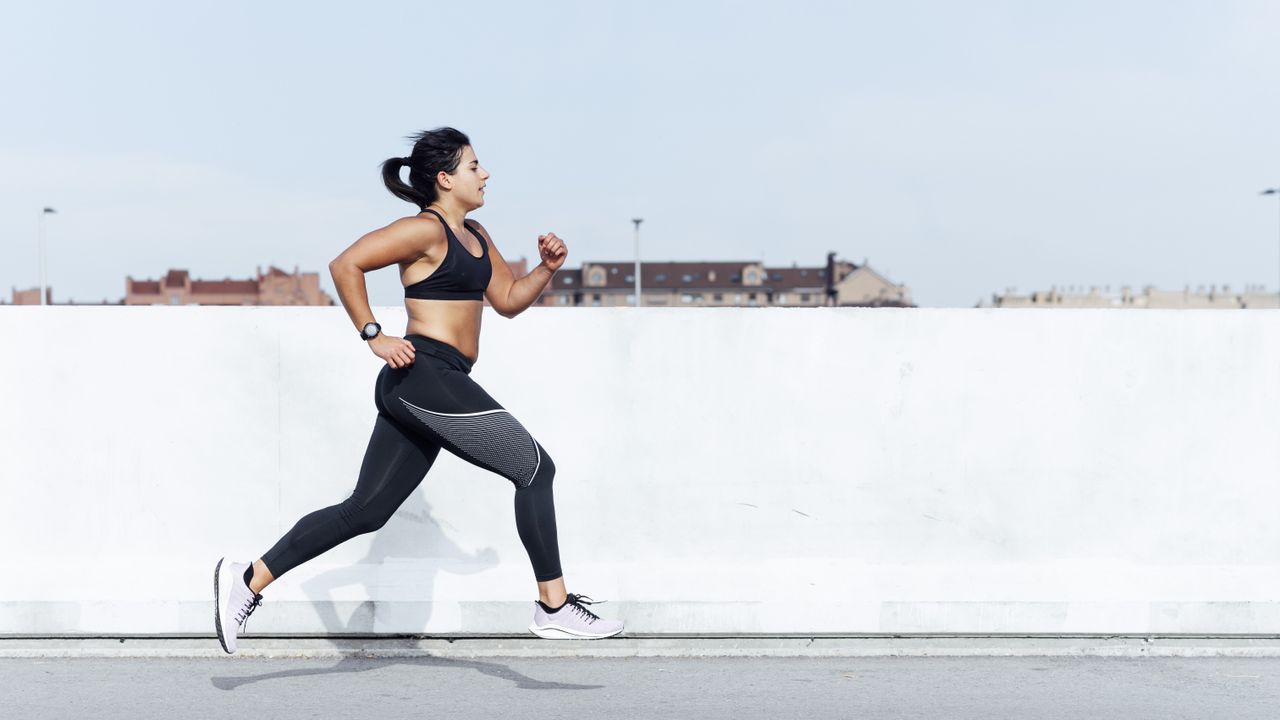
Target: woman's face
x=467 y=182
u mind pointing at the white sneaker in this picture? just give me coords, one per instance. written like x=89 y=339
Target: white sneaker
x=573 y=621
x=233 y=601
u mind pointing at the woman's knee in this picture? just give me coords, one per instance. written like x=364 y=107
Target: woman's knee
x=545 y=473
x=361 y=518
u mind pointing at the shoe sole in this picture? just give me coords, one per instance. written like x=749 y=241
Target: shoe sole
x=217 y=606
x=551 y=632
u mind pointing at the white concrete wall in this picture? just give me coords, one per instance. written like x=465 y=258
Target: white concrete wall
x=720 y=471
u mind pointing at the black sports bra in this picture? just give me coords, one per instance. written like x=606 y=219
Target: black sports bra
x=461 y=275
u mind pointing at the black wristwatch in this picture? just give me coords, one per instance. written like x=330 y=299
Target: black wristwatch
x=370 y=331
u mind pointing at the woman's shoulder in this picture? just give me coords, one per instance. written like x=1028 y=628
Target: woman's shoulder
x=473 y=223
x=413 y=234
x=422 y=226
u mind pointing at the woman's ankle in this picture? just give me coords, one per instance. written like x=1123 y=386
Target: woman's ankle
x=552 y=602
x=261 y=576
x=552 y=592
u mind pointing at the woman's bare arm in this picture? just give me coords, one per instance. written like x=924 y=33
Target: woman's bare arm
x=511 y=296
x=403 y=241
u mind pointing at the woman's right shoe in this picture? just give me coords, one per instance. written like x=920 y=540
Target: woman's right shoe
x=573 y=621
x=233 y=601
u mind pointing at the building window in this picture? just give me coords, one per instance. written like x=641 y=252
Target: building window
x=175 y=299
x=597 y=276
x=737 y=298
x=630 y=278
x=567 y=280
x=595 y=300
x=662 y=277
x=804 y=297
x=613 y=271
x=751 y=277
x=631 y=298
x=687 y=277
x=686 y=298
x=718 y=297
x=782 y=298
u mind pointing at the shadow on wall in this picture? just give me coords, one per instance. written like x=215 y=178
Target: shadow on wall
x=410 y=534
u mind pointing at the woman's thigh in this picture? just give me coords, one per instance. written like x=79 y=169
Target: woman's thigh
x=395 y=462
x=450 y=408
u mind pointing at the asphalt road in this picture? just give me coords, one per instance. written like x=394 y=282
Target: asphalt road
x=954 y=688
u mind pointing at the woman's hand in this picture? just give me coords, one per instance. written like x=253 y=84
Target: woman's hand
x=398 y=352
x=552 y=251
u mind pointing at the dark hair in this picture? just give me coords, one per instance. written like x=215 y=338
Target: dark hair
x=434 y=151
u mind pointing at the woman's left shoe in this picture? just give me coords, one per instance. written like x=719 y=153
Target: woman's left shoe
x=572 y=621
x=233 y=601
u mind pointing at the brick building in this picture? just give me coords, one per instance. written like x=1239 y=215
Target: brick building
x=274 y=287
x=32 y=297
x=745 y=283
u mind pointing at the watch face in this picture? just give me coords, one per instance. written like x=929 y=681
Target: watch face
x=370 y=330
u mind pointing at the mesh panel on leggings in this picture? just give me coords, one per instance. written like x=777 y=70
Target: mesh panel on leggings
x=492 y=439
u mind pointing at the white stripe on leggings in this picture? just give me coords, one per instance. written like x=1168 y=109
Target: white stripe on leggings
x=490 y=438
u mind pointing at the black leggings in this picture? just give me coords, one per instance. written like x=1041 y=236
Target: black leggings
x=431 y=404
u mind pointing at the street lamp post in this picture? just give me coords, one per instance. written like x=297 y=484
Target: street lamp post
x=40 y=239
x=1274 y=191
x=637 y=221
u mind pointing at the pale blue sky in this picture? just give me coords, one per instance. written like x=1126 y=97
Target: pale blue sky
x=962 y=148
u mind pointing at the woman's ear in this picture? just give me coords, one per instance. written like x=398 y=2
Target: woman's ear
x=444 y=180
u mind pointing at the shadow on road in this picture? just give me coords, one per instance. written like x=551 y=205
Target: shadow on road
x=358 y=664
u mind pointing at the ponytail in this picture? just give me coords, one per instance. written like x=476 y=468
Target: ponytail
x=434 y=152
x=397 y=187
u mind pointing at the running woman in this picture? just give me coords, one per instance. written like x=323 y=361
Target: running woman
x=425 y=398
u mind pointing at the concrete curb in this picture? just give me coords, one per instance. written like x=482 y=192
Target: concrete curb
x=776 y=646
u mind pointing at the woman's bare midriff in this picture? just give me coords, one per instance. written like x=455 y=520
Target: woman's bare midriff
x=456 y=322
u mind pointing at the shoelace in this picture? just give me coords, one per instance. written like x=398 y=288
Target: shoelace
x=242 y=617
x=579 y=603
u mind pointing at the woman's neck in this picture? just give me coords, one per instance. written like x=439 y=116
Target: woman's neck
x=452 y=214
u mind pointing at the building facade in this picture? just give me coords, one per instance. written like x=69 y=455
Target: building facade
x=1212 y=298
x=745 y=283
x=32 y=297
x=274 y=287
